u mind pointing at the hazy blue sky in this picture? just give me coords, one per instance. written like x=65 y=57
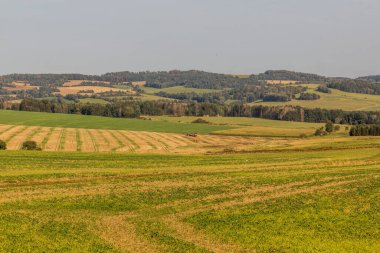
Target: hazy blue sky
x=331 y=37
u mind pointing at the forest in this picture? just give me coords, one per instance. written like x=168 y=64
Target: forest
x=365 y=130
x=355 y=86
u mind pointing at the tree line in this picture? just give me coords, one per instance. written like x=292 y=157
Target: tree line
x=365 y=130
x=131 y=108
x=355 y=86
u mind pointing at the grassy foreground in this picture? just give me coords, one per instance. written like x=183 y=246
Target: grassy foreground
x=266 y=202
x=95 y=122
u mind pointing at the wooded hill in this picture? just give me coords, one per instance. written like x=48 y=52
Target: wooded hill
x=227 y=87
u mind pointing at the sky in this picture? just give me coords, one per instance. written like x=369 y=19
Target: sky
x=328 y=37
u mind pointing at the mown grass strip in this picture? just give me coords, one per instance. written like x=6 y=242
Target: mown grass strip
x=62 y=139
x=33 y=133
x=78 y=140
x=7 y=129
x=22 y=129
x=47 y=137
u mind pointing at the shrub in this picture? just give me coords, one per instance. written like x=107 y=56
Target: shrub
x=324 y=89
x=276 y=98
x=30 y=145
x=336 y=128
x=200 y=121
x=303 y=136
x=3 y=145
x=320 y=132
x=309 y=96
x=329 y=127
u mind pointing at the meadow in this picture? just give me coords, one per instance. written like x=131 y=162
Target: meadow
x=336 y=100
x=306 y=201
x=177 y=89
x=243 y=126
x=95 y=122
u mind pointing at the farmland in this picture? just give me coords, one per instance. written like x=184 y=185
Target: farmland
x=99 y=140
x=95 y=122
x=121 y=185
x=177 y=89
x=66 y=90
x=297 y=201
x=251 y=126
x=336 y=100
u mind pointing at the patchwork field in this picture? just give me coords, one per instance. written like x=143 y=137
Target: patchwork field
x=310 y=201
x=102 y=140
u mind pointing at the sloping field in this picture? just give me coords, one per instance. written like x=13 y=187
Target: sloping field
x=251 y=126
x=320 y=201
x=336 y=100
x=95 y=90
x=102 y=140
x=79 y=82
x=281 y=81
x=177 y=89
x=94 y=122
x=99 y=140
x=21 y=86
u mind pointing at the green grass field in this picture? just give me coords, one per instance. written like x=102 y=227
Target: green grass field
x=95 y=122
x=310 y=201
x=177 y=89
x=94 y=101
x=251 y=126
x=336 y=100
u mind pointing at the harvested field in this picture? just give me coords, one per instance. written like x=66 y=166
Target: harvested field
x=72 y=90
x=100 y=140
x=90 y=140
x=79 y=82
x=280 y=81
x=140 y=83
x=18 y=86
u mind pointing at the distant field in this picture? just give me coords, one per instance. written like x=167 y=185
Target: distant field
x=177 y=89
x=308 y=201
x=93 y=101
x=21 y=86
x=79 y=82
x=148 y=97
x=281 y=81
x=95 y=122
x=336 y=100
x=251 y=126
x=96 y=89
